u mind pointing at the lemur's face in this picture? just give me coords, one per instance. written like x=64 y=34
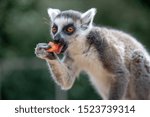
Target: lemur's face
x=66 y=26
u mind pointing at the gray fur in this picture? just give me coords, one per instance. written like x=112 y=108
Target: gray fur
x=110 y=62
x=118 y=65
x=140 y=76
x=70 y=14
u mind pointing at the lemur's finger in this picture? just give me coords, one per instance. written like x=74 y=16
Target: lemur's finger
x=43 y=46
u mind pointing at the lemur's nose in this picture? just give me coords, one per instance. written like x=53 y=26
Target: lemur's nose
x=58 y=38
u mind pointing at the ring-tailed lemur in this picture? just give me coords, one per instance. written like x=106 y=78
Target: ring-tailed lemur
x=118 y=65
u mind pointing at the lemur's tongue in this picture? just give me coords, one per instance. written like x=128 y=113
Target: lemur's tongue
x=54 y=47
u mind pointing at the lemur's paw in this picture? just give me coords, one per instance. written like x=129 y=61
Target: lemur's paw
x=138 y=57
x=42 y=53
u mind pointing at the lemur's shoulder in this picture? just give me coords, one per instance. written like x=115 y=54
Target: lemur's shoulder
x=116 y=38
x=109 y=53
x=104 y=37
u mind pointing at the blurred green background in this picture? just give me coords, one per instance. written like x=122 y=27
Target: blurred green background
x=24 y=23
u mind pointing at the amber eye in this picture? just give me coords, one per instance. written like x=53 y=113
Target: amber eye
x=54 y=29
x=70 y=29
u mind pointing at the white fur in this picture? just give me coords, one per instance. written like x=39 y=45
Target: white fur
x=88 y=16
x=61 y=21
x=89 y=62
x=53 y=13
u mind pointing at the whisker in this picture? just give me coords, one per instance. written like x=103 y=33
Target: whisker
x=46 y=21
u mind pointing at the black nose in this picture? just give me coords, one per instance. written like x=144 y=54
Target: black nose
x=58 y=38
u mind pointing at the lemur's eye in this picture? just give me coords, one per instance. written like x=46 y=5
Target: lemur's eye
x=54 y=29
x=70 y=29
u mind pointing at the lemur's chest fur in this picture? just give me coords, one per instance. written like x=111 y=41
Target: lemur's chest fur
x=99 y=76
x=86 y=58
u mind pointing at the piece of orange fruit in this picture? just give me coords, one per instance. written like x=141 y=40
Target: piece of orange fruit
x=54 y=48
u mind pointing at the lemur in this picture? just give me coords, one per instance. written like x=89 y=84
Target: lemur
x=117 y=64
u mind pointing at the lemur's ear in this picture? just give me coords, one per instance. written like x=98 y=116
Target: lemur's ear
x=88 y=16
x=53 y=13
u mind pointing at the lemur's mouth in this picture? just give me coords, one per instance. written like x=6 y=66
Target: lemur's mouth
x=61 y=48
x=64 y=47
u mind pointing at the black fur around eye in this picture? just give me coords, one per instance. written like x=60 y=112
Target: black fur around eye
x=69 y=29
x=54 y=29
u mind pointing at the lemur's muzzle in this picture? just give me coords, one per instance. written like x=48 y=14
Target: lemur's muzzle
x=59 y=40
